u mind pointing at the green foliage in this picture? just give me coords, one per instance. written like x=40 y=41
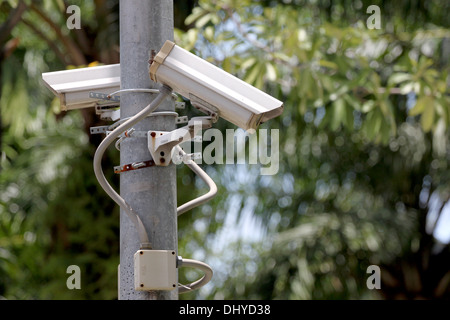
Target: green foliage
x=49 y=198
x=346 y=69
x=365 y=136
x=363 y=152
x=52 y=212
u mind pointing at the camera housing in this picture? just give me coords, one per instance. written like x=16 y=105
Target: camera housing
x=211 y=89
x=73 y=86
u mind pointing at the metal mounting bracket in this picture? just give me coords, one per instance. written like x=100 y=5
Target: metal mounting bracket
x=205 y=107
x=161 y=143
x=99 y=129
x=180 y=105
x=187 y=157
x=108 y=111
x=182 y=119
x=134 y=166
x=104 y=96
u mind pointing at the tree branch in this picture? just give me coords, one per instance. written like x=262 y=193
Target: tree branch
x=13 y=19
x=50 y=43
x=9 y=48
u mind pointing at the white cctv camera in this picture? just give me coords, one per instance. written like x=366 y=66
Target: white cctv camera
x=211 y=89
x=73 y=86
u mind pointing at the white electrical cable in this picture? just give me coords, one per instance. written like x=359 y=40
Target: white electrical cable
x=143 y=236
x=164 y=91
x=187 y=206
x=144 y=90
x=199 y=283
x=202 y=174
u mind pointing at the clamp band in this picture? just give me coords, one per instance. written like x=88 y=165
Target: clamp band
x=159 y=59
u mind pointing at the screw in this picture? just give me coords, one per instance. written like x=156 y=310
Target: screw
x=162 y=160
x=153 y=134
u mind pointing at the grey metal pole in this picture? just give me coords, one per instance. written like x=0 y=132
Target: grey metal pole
x=151 y=192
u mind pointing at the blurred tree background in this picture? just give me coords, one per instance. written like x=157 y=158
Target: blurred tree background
x=363 y=166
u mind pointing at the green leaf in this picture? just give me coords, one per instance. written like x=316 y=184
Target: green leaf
x=368 y=106
x=397 y=78
x=226 y=65
x=372 y=124
x=203 y=20
x=338 y=114
x=328 y=64
x=197 y=12
x=349 y=120
x=271 y=73
x=383 y=107
x=427 y=118
x=209 y=33
x=252 y=74
x=13 y=3
x=407 y=87
x=385 y=133
x=248 y=63
x=420 y=106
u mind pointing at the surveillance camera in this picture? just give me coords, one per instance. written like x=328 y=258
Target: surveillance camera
x=211 y=89
x=73 y=86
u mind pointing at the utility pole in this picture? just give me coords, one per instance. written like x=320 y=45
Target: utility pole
x=151 y=192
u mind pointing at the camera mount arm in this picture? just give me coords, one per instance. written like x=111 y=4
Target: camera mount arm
x=161 y=143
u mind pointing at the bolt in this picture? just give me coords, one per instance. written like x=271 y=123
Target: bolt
x=153 y=134
x=129 y=132
x=152 y=56
x=162 y=160
x=137 y=165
